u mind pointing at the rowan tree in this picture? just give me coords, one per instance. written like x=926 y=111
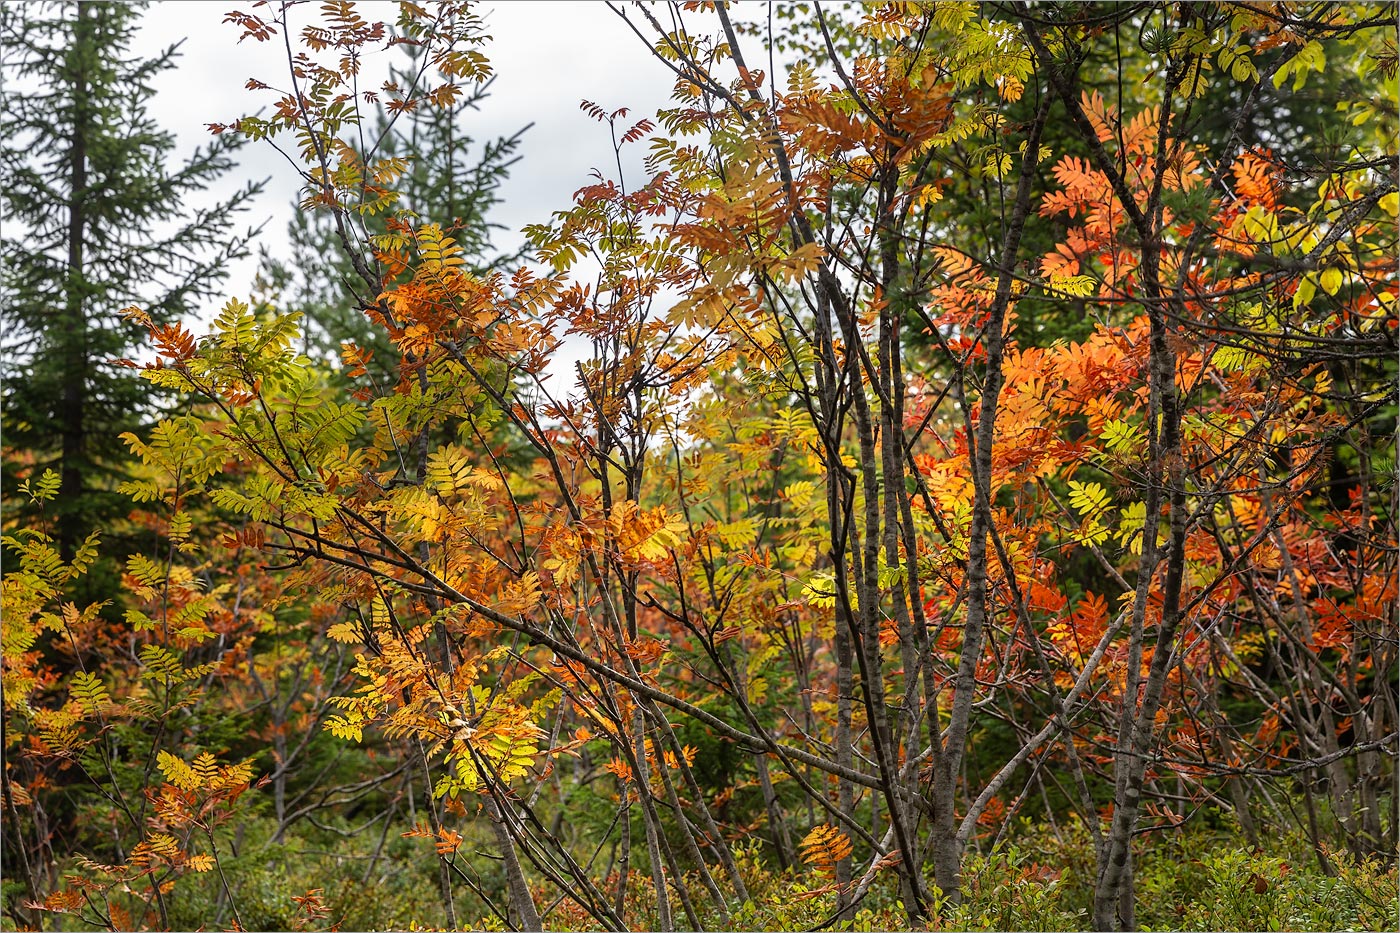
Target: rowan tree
x=763 y=451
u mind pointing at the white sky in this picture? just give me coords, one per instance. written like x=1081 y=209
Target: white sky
x=547 y=55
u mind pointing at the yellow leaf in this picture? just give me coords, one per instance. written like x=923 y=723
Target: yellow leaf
x=1089 y=499
x=234 y=775
x=1331 y=281
x=343 y=632
x=177 y=771
x=1304 y=295
x=206 y=766
x=163 y=844
x=924 y=195
x=824 y=846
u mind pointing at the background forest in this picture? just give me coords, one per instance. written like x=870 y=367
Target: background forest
x=951 y=486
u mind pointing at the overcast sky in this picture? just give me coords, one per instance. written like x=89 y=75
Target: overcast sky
x=548 y=56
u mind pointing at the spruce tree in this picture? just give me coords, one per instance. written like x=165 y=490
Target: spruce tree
x=97 y=217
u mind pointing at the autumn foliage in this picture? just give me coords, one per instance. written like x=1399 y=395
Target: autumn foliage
x=942 y=437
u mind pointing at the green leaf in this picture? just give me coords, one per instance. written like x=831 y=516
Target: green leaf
x=160 y=663
x=45 y=489
x=1309 y=58
x=90 y=691
x=1122 y=437
x=1131 y=520
x=146 y=571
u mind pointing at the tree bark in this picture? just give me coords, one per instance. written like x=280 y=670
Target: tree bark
x=72 y=414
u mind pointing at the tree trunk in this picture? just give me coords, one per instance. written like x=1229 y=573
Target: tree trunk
x=522 y=905
x=72 y=410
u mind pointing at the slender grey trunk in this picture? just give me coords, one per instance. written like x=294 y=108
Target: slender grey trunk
x=624 y=866
x=522 y=904
x=664 y=923
x=947 y=850
x=777 y=825
x=710 y=827
x=687 y=834
x=895 y=504
x=865 y=621
x=845 y=757
x=435 y=822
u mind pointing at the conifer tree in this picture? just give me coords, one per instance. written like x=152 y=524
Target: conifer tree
x=98 y=216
